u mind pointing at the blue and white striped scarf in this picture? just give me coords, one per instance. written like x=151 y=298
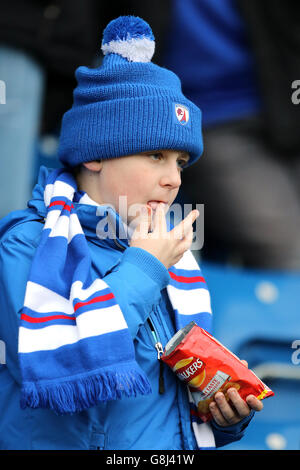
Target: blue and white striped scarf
x=71 y=327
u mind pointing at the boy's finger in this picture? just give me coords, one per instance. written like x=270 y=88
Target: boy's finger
x=239 y=404
x=159 y=219
x=187 y=240
x=227 y=411
x=254 y=403
x=217 y=415
x=184 y=227
x=143 y=223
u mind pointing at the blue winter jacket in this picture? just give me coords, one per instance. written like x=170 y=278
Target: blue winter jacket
x=138 y=280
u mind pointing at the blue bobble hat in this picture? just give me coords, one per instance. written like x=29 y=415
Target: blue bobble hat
x=129 y=104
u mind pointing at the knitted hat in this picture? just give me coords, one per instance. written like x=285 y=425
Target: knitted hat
x=128 y=105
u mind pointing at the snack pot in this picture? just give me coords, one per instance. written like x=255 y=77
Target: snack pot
x=207 y=367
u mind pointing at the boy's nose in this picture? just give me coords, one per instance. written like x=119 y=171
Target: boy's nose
x=171 y=177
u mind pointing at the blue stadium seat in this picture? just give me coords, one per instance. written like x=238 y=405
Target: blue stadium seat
x=257 y=316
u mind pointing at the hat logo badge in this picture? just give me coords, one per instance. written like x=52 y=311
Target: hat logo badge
x=182 y=114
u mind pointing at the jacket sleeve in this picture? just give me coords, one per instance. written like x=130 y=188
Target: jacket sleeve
x=228 y=434
x=136 y=282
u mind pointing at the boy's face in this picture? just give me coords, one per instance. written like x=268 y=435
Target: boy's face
x=146 y=178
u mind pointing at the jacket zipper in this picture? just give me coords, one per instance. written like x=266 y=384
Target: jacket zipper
x=119 y=245
x=157 y=344
x=159 y=348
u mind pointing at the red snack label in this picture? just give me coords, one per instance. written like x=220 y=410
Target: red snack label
x=189 y=369
x=207 y=367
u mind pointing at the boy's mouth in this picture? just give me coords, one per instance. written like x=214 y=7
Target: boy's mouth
x=154 y=204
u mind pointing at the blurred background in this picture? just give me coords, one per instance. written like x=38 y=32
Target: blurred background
x=237 y=61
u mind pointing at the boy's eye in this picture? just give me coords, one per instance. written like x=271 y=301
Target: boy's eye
x=181 y=163
x=155 y=156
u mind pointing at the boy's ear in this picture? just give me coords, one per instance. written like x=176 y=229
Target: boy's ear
x=95 y=165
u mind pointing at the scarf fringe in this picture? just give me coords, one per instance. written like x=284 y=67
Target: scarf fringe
x=81 y=393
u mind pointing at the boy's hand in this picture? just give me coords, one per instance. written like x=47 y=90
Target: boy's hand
x=170 y=246
x=228 y=413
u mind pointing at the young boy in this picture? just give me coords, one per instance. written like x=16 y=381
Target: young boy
x=91 y=288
